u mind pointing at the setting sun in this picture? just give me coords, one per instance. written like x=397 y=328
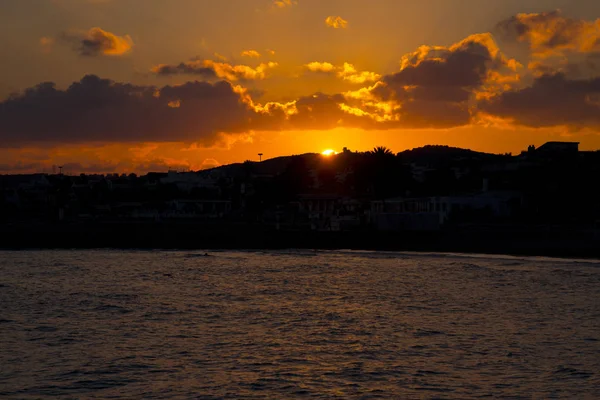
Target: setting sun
x=329 y=152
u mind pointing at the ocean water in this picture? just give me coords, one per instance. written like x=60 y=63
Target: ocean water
x=297 y=324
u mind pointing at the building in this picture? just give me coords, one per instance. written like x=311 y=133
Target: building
x=321 y=209
x=186 y=181
x=558 y=148
x=432 y=213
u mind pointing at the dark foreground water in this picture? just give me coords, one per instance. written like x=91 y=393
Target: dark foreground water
x=296 y=324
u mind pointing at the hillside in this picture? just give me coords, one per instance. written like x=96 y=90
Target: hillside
x=431 y=154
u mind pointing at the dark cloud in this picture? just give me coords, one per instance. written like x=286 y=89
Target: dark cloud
x=185 y=68
x=97 y=41
x=460 y=68
x=552 y=100
x=464 y=65
x=436 y=85
x=100 y=110
x=318 y=111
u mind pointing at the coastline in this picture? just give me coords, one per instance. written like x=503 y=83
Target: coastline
x=556 y=243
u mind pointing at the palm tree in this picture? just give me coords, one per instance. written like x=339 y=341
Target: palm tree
x=383 y=171
x=381 y=151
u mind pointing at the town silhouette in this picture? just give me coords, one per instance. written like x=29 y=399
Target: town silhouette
x=543 y=201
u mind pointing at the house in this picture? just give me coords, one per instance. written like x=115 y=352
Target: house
x=332 y=212
x=558 y=148
x=551 y=150
x=410 y=214
x=432 y=213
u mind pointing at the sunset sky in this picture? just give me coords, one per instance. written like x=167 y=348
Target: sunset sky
x=148 y=85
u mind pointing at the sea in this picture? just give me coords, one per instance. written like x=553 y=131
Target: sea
x=114 y=324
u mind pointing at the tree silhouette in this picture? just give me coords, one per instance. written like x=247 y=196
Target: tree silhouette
x=381 y=151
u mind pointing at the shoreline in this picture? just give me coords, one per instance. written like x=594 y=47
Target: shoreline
x=145 y=236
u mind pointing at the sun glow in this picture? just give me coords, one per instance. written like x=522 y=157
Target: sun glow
x=329 y=152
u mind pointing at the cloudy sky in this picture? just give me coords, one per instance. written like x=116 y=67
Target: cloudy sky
x=140 y=85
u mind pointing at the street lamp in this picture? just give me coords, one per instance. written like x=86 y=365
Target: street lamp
x=260 y=156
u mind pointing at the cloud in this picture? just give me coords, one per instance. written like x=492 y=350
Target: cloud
x=97 y=41
x=240 y=72
x=186 y=68
x=250 y=53
x=210 y=69
x=220 y=57
x=436 y=86
x=336 y=22
x=317 y=66
x=101 y=110
x=349 y=73
x=346 y=72
x=284 y=3
x=551 y=33
x=464 y=64
x=552 y=100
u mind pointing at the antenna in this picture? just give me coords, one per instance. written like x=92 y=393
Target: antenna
x=260 y=156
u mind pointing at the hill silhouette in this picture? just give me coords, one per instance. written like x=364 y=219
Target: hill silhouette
x=430 y=155
x=440 y=154
x=272 y=166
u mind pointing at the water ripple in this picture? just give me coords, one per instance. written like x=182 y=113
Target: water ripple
x=297 y=324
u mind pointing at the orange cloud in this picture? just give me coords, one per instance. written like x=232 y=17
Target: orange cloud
x=97 y=41
x=210 y=69
x=347 y=72
x=436 y=87
x=317 y=66
x=284 y=3
x=250 y=53
x=237 y=72
x=435 y=91
x=551 y=34
x=336 y=22
x=490 y=71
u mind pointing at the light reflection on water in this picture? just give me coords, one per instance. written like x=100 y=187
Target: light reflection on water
x=338 y=324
